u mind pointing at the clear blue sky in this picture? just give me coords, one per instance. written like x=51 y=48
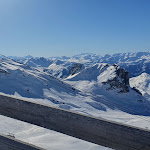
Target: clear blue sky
x=68 y=27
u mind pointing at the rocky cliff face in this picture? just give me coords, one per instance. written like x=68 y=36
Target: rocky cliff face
x=111 y=76
x=120 y=81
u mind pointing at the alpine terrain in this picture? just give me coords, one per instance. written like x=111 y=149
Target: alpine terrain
x=114 y=87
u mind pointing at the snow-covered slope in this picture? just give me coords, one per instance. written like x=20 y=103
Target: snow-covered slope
x=24 y=81
x=58 y=68
x=110 y=83
x=102 y=76
x=62 y=69
x=101 y=91
x=135 y=63
x=106 y=82
x=142 y=83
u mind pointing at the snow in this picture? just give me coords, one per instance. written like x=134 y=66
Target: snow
x=135 y=63
x=142 y=83
x=53 y=140
x=42 y=137
x=30 y=83
x=90 y=81
x=35 y=86
x=83 y=92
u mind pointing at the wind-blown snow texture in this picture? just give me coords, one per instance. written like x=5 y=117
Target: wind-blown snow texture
x=87 y=83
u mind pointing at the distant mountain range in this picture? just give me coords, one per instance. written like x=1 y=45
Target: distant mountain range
x=135 y=63
x=90 y=84
x=84 y=71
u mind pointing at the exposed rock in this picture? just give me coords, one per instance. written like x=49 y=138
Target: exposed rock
x=124 y=75
x=75 y=68
x=120 y=81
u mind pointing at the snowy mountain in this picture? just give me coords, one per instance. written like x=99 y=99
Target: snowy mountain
x=103 y=75
x=101 y=90
x=81 y=58
x=38 y=62
x=109 y=82
x=135 y=63
x=62 y=69
x=58 y=68
x=125 y=57
x=142 y=83
x=86 y=58
x=17 y=78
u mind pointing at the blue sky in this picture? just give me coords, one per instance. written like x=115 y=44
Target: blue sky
x=68 y=27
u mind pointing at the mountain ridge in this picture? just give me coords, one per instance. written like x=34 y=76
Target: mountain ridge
x=135 y=63
x=22 y=80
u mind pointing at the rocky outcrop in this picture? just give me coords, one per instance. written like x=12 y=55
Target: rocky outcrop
x=122 y=74
x=120 y=81
x=75 y=68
